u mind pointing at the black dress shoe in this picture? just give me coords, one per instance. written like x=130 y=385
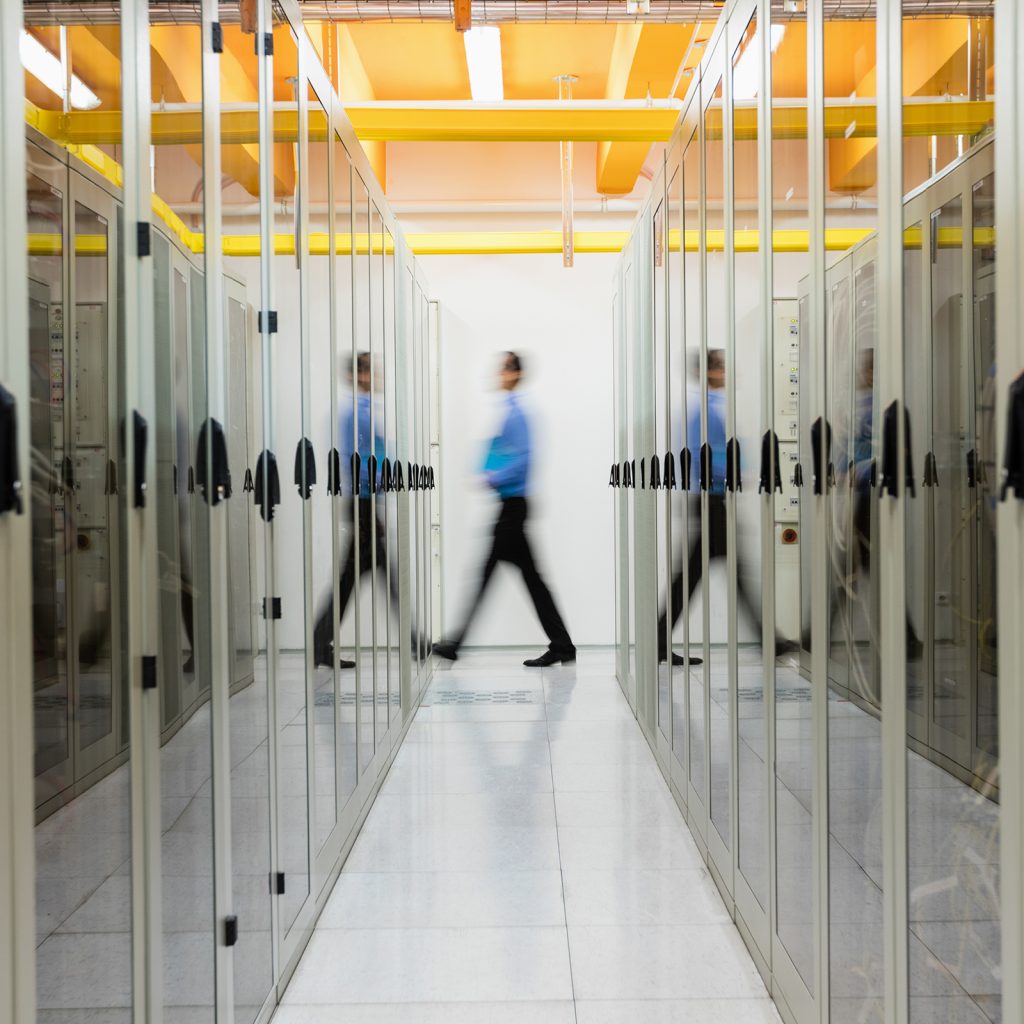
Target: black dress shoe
x=678 y=660
x=551 y=658
x=448 y=651
x=324 y=661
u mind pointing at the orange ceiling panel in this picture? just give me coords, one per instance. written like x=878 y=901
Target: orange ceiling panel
x=413 y=61
x=532 y=55
x=96 y=59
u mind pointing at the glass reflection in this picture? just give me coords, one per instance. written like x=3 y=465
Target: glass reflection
x=748 y=384
x=693 y=632
x=791 y=350
x=712 y=431
x=83 y=831
x=249 y=518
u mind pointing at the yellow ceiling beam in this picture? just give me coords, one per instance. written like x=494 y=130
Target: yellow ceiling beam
x=533 y=124
x=645 y=59
x=486 y=243
x=512 y=124
x=929 y=45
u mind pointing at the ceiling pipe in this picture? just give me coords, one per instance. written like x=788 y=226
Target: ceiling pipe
x=108 y=12
x=469 y=207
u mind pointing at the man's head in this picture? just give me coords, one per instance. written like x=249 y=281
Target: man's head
x=716 y=368
x=511 y=371
x=363 y=371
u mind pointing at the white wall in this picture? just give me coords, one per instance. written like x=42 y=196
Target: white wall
x=560 y=321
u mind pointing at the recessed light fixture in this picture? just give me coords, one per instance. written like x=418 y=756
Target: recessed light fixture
x=483 y=55
x=37 y=60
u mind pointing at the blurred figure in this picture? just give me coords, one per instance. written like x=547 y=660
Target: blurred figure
x=716 y=440
x=367 y=443
x=507 y=470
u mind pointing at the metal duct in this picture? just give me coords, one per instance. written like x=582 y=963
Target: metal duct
x=55 y=12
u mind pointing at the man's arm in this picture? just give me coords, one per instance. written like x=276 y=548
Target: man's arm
x=514 y=443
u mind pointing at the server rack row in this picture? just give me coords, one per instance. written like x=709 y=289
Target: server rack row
x=219 y=365
x=816 y=500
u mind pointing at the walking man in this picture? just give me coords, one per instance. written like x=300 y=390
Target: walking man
x=507 y=470
x=367 y=442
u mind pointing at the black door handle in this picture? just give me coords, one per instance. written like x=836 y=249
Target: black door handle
x=267 y=488
x=399 y=476
x=357 y=471
x=371 y=465
x=215 y=479
x=191 y=480
x=818 y=467
x=10 y=463
x=140 y=432
x=972 y=468
x=387 y=483
x=174 y=478
x=1013 y=452
x=111 y=487
x=305 y=468
x=685 y=466
x=69 y=475
x=733 y=482
x=771 y=472
x=655 y=473
x=931 y=473
x=611 y=476
x=669 y=478
x=430 y=478
x=890 y=449
x=798 y=475
x=247 y=484
x=334 y=472
x=706 y=466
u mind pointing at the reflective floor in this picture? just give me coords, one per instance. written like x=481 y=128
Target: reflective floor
x=525 y=862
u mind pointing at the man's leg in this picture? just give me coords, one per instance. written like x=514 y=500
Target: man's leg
x=519 y=553
x=675 y=598
x=323 y=632
x=450 y=648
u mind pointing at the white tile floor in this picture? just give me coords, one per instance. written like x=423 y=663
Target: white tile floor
x=524 y=862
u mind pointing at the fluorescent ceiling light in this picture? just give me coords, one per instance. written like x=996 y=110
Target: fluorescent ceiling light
x=483 y=55
x=37 y=60
x=746 y=73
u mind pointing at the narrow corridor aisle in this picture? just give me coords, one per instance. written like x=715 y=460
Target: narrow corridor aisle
x=525 y=862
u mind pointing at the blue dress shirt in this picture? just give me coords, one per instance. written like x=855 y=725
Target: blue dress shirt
x=367 y=443
x=716 y=438
x=507 y=464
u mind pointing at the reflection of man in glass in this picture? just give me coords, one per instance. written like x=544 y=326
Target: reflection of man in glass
x=863 y=428
x=507 y=470
x=716 y=440
x=368 y=443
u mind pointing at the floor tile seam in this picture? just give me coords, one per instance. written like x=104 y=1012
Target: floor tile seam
x=286 y=1003
x=561 y=882
x=460 y=928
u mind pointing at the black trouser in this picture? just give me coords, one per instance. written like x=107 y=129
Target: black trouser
x=717 y=548
x=511 y=545
x=862 y=510
x=323 y=633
